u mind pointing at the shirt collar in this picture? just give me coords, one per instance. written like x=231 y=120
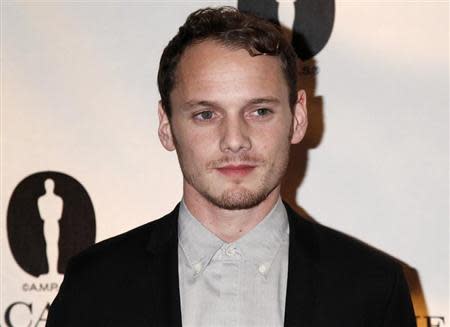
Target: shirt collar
x=259 y=246
x=198 y=244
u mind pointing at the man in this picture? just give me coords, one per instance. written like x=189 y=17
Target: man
x=231 y=253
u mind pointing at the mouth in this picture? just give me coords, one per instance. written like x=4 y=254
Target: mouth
x=236 y=170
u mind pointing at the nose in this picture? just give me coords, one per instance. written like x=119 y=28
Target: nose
x=235 y=135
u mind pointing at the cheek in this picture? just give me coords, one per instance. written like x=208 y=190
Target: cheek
x=194 y=144
x=273 y=140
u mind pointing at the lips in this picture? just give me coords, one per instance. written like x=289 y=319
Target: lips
x=236 y=170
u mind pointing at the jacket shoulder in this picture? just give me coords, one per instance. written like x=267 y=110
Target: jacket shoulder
x=123 y=250
x=339 y=248
x=342 y=262
x=336 y=249
x=352 y=279
x=98 y=279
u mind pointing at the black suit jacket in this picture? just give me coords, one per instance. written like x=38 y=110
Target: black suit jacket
x=131 y=280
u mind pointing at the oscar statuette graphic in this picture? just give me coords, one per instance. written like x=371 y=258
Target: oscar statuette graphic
x=307 y=24
x=50 y=208
x=50 y=218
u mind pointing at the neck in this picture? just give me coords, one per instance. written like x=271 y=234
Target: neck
x=228 y=225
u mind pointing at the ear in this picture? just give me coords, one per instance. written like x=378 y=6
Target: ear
x=164 y=129
x=300 y=119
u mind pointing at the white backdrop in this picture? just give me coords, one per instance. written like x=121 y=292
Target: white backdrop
x=79 y=97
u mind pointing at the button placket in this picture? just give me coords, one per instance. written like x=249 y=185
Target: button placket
x=230 y=283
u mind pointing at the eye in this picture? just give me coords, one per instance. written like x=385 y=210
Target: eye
x=204 y=115
x=261 y=112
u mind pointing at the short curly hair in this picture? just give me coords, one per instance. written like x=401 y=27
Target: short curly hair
x=234 y=29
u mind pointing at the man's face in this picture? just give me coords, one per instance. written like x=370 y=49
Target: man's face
x=231 y=124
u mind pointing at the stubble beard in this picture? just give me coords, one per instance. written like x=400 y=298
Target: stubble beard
x=237 y=197
x=233 y=199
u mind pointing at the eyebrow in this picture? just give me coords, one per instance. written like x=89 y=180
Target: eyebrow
x=212 y=104
x=203 y=103
x=264 y=100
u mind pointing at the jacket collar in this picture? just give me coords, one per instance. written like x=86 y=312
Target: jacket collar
x=162 y=251
x=302 y=285
x=164 y=231
x=301 y=299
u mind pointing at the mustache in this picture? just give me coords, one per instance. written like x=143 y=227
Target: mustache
x=242 y=159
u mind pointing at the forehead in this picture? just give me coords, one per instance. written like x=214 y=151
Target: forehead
x=211 y=69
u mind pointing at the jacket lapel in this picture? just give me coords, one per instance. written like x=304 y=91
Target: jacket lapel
x=162 y=249
x=301 y=297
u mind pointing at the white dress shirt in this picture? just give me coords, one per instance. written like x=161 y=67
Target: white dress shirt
x=242 y=283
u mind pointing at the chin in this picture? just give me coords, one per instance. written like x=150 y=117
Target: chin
x=237 y=199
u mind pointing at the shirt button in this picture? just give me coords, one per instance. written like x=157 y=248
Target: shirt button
x=198 y=267
x=230 y=251
x=262 y=269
